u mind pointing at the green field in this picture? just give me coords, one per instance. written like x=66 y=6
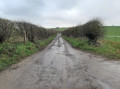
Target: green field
x=112 y=31
x=109 y=31
x=62 y=29
x=58 y=29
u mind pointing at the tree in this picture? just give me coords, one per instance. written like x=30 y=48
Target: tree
x=93 y=30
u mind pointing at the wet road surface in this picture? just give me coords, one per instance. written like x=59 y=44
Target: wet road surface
x=60 y=66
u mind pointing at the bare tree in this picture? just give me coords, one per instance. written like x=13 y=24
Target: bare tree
x=33 y=32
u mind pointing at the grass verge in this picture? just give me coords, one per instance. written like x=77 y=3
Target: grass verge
x=12 y=52
x=107 y=49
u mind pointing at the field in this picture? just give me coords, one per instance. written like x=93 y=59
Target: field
x=62 y=29
x=112 y=30
x=110 y=33
x=58 y=29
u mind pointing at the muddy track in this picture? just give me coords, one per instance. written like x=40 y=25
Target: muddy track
x=60 y=66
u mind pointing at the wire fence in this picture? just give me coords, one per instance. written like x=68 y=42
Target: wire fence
x=112 y=38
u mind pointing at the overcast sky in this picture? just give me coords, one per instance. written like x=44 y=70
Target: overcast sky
x=61 y=13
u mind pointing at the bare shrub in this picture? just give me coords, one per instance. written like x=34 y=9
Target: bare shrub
x=13 y=29
x=34 y=32
x=6 y=27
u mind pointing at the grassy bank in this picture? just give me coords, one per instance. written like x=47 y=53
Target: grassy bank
x=12 y=52
x=107 y=49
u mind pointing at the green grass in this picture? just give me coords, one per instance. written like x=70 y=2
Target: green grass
x=40 y=44
x=112 y=31
x=107 y=49
x=58 y=29
x=113 y=39
x=62 y=29
x=109 y=31
x=12 y=52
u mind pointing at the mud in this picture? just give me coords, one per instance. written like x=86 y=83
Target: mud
x=60 y=66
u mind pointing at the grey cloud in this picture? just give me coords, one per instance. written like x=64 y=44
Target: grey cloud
x=52 y=13
x=22 y=7
x=67 y=4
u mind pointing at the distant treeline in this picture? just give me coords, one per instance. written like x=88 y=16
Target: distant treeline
x=10 y=29
x=92 y=30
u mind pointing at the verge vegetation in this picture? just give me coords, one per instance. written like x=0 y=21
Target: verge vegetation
x=107 y=49
x=19 y=39
x=88 y=37
x=92 y=30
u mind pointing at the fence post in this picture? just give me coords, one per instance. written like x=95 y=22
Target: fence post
x=115 y=38
x=24 y=37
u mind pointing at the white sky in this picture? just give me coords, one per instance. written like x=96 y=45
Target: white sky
x=61 y=13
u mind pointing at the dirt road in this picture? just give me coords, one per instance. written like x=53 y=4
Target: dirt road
x=60 y=66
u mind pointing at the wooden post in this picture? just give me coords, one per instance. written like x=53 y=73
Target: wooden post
x=115 y=38
x=24 y=37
